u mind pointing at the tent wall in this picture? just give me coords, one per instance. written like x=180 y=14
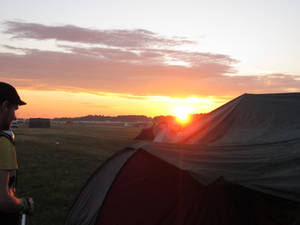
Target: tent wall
x=90 y=199
x=272 y=169
x=135 y=187
x=150 y=191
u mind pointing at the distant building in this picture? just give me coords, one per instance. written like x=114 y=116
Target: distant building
x=137 y=124
x=39 y=123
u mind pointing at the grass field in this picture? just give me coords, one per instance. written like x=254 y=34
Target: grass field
x=55 y=162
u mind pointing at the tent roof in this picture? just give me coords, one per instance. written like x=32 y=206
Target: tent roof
x=247 y=120
x=254 y=140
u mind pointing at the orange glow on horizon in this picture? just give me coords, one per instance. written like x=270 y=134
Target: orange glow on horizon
x=51 y=104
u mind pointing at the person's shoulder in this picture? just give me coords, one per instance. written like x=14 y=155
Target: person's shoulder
x=8 y=158
x=4 y=139
x=8 y=136
x=5 y=142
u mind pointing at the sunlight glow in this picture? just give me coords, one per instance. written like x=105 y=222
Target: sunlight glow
x=183 y=113
x=79 y=103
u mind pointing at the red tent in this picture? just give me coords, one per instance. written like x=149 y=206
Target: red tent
x=221 y=178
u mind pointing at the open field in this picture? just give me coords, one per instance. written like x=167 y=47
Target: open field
x=55 y=163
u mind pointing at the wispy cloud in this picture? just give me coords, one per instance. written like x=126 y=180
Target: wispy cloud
x=110 y=72
x=116 y=38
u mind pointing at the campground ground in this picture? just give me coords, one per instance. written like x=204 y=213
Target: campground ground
x=55 y=162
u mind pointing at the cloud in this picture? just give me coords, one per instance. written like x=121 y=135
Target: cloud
x=129 y=63
x=44 y=70
x=110 y=70
x=150 y=56
x=116 y=38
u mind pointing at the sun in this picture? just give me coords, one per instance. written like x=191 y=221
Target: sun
x=183 y=113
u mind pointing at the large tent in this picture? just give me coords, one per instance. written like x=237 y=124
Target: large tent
x=240 y=164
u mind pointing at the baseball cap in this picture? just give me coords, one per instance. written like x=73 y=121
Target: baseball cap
x=9 y=93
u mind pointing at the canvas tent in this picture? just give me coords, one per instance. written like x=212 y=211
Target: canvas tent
x=238 y=165
x=146 y=134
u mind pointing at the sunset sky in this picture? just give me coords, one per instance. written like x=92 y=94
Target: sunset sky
x=74 y=58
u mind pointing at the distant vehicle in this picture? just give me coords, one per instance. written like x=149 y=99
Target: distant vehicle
x=14 y=124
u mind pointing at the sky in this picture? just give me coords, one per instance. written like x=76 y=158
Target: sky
x=75 y=58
